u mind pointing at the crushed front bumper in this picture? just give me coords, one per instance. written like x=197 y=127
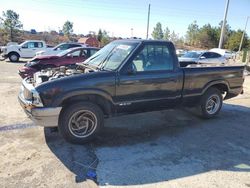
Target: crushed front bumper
x=41 y=116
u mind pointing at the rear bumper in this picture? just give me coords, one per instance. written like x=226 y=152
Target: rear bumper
x=234 y=92
x=45 y=117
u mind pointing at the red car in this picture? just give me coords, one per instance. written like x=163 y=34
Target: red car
x=65 y=58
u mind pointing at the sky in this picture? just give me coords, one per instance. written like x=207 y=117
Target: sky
x=128 y=17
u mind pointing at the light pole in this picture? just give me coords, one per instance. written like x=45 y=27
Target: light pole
x=223 y=25
x=132 y=33
x=148 y=21
x=243 y=34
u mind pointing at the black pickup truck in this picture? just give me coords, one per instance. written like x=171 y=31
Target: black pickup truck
x=126 y=76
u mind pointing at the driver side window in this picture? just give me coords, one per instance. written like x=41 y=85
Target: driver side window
x=207 y=55
x=153 y=58
x=76 y=53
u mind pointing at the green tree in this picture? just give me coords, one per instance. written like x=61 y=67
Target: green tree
x=166 y=34
x=68 y=28
x=234 y=40
x=174 y=37
x=99 y=35
x=208 y=37
x=11 y=24
x=192 y=33
x=157 y=32
x=105 y=38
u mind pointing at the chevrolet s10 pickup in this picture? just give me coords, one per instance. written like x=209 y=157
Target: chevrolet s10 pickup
x=126 y=76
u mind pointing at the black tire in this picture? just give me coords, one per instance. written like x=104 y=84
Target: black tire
x=211 y=103
x=73 y=116
x=13 y=56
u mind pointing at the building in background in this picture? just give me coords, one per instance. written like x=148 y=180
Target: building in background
x=90 y=41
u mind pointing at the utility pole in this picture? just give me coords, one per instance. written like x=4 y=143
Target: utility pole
x=148 y=20
x=132 y=35
x=223 y=25
x=243 y=34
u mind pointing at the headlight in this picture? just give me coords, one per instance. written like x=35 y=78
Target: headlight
x=36 y=100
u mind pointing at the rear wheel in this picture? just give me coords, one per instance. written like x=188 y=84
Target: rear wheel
x=14 y=57
x=80 y=122
x=211 y=103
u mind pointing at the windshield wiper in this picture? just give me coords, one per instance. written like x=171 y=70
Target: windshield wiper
x=89 y=66
x=92 y=58
x=104 y=62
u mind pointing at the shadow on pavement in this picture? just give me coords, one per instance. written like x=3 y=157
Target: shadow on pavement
x=160 y=146
x=19 y=62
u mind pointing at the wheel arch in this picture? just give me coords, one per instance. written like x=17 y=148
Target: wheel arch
x=221 y=85
x=103 y=100
x=11 y=52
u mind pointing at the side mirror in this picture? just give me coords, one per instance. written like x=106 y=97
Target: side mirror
x=202 y=57
x=58 y=49
x=131 y=70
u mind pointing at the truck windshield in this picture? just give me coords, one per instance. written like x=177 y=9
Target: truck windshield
x=111 y=56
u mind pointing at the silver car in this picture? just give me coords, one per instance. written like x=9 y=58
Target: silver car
x=201 y=57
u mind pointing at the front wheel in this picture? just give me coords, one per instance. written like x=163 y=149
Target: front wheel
x=14 y=57
x=80 y=122
x=211 y=103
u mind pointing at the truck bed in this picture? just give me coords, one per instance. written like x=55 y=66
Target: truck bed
x=198 y=77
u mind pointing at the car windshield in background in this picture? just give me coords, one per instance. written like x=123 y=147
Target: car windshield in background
x=111 y=56
x=54 y=48
x=192 y=54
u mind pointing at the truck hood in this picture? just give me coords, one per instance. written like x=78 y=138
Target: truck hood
x=58 y=88
x=13 y=46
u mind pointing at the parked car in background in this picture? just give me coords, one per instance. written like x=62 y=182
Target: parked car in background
x=65 y=58
x=59 y=48
x=201 y=57
x=27 y=49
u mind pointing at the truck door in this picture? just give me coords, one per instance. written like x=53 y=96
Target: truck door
x=29 y=49
x=149 y=80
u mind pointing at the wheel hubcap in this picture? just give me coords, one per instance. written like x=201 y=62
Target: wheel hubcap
x=213 y=104
x=13 y=57
x=82 y=123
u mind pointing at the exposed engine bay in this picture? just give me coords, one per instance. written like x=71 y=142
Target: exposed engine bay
x=60 y=72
